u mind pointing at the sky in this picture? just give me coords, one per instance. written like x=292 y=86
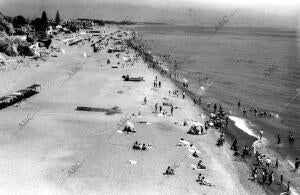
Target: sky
x=280 y=6
x=284 y=11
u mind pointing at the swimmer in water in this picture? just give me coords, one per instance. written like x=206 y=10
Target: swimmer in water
x=291 y=138
x=244 y=111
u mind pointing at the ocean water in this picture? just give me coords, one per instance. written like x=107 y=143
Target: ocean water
x=235 y=61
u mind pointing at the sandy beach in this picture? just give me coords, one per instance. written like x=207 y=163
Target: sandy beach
x=65 y=151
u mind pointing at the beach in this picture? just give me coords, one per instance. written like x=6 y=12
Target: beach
x=65 y=151
x=255 y=66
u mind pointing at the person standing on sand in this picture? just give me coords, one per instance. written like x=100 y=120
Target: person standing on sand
x=239 y=104
x=199 y=177
x=156 y=105
x=264 y=176
x=215 y=108
x=244 y=111
x=281 y=179
x=159 y=84
x=160 y=109
x=172 y=109
x=255 y=171
x=145 y=100
x=278 y=139
x=271 y=178
x=195 y=102
x=255 y=111
x=234 y=145
x=288 y=186
x=276 y=163
x=183 y=95
x=261 y=132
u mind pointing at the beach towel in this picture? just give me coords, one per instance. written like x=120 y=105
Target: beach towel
x=185 y=143
x=133 y=162
x=193 y=166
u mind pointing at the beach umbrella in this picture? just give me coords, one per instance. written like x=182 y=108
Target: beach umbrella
x=130 y=124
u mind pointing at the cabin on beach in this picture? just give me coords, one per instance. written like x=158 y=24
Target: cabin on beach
x=18 y=96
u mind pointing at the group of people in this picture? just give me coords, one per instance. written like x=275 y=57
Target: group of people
x=169 y=171
x=194 y=130
x=197 y=101
x=156 y=83
x=159 y=108
x=139 y=146
x=220 y=121
x=262 y=173
x=245 y=151
x=176 y=93
x=255 y=112
x=263 y=168
x=264 y=176
x=291 y=138
x=264 y=164
x=201 y=179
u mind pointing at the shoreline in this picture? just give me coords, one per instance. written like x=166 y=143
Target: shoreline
x=207 y=112
x=233 y=131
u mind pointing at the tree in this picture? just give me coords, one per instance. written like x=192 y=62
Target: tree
x=44 y=21
x=37 y=24
x=73 y=28
x=57 y=18
x=19 y=21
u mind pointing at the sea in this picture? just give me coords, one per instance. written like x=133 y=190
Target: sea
x=257 y=66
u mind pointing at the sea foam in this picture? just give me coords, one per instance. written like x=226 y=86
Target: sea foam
x=243 y=125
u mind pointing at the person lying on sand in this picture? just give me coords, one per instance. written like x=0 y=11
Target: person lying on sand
x=203 y=182
x=195 y=155
x=200 y=165
x=169 y=171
